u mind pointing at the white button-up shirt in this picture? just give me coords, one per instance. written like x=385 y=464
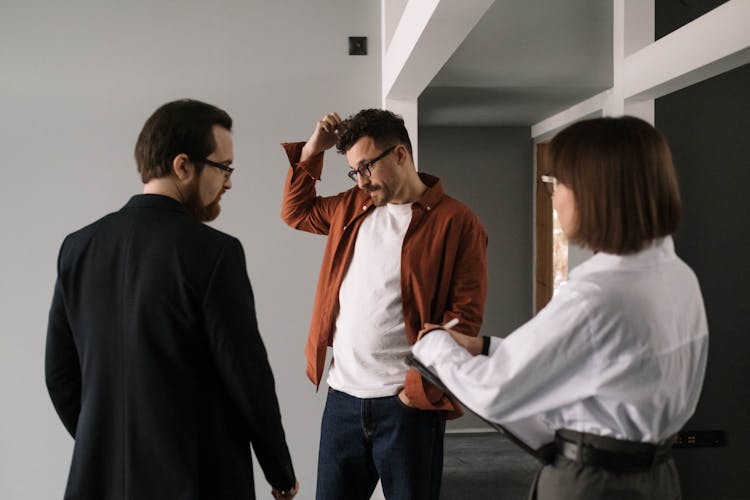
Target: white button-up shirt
x=620 y=351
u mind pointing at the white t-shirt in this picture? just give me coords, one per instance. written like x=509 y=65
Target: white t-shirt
x=370 y=343
x=619 y=351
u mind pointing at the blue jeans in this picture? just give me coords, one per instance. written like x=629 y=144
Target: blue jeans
x=362 y=440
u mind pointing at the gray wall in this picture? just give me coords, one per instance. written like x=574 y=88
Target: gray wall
x=707 y=126
x=490 y=169
x=77 y=81
x=577 y=255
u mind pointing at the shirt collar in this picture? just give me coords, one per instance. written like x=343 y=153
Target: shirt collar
x=434 y=192
x=659 y=250
x=428 y=200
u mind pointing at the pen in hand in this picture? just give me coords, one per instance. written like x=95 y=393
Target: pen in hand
x=475 y=345
x=428 y=327
x=450 y=324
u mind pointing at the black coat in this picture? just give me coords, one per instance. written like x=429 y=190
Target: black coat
x=154 y=361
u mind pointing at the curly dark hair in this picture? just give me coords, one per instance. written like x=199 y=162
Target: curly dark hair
x=384 y=127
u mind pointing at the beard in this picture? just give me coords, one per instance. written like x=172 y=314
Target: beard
x=202 y=212
x=379 y=194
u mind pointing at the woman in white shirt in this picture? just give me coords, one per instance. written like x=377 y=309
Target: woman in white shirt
x=613 y=366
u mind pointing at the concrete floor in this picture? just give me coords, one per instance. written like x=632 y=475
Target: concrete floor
x=481 y=466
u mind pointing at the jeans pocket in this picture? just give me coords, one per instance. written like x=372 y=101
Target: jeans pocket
x=405 y=406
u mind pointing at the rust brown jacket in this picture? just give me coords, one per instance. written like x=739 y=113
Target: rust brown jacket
x=443 y=264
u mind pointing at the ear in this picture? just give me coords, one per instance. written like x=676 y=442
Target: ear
x=402 y=154
x=183 y=168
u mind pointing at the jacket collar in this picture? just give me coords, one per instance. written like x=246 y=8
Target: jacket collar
x=428 y=200
x=157 y=201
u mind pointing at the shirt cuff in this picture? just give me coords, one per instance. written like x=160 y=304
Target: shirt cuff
x=313 y=166
x=494 y=345
x=439 y=347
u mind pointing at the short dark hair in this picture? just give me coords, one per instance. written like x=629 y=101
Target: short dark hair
x=621 y=174
x=183 y=126
x=384 y=127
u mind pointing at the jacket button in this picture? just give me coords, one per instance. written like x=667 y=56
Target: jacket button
x=428 y=208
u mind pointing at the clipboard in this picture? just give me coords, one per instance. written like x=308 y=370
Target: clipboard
x=543 y=452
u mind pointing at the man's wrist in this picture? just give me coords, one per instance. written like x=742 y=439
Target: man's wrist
x=308 y=153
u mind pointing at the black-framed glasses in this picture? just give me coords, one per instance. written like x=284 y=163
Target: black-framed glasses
x=550 y=181
x=226 y=168
x=365 y=169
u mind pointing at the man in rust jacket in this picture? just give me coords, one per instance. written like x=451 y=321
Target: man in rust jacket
x=400 y=253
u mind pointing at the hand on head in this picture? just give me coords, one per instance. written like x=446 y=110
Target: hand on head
x=323 y=137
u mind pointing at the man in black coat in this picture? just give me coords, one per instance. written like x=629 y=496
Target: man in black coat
x=154 y=361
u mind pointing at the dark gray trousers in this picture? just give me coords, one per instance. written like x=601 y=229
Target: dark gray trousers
x=565 y=479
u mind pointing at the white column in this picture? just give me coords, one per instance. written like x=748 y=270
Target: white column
x=407 y=108
x=614 y=103
x=640 y=22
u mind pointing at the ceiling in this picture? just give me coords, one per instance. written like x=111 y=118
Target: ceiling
x=524 y=61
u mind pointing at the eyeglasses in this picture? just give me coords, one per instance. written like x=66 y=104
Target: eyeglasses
x=226 y=168
x=551 y=182
x=365 y=169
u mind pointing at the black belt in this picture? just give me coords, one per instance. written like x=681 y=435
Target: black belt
x=612 y=454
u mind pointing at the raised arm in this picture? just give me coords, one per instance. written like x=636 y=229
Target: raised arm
x=301 y=206
x=524 y=374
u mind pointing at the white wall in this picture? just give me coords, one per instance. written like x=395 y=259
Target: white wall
x=77 y=81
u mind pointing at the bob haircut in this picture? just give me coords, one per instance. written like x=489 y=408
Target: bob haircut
x=624 y=183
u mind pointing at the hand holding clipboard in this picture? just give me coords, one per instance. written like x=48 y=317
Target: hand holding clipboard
x=527 y=433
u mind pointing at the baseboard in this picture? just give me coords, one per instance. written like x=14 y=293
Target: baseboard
x=477 y=430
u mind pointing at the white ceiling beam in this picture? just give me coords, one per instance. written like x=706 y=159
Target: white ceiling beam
x=574 y=113
x=426 y=36
x=710 y=45
x=390 y=14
